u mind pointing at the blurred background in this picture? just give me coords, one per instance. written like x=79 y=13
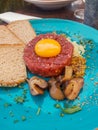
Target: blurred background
x=77 y=10
x=11 y=5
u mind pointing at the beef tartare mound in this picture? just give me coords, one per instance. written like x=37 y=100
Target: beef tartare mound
x=48 y=66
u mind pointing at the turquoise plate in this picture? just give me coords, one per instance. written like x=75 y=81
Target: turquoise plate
x=39 y=113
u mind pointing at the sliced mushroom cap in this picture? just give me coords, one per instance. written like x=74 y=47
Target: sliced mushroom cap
x=68 y=73
x=73 y=88
x=68 y=89
x=55 y=90
x=37 y=85
x=35 y=90
x=39 y=82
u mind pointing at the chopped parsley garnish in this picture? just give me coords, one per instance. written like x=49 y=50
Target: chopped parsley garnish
x=19 y=99
x=16 y=121
x=57 y=105
x=7 y=105
x=67 y=110
x=11 y=114
x=23 y=118
x=71 y=110
x=62 y=114
x=38 y=111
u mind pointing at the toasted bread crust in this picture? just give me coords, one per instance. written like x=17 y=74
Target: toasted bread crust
x=7 y=37
x=23 y=30
x=12 y=67
x=12 y=84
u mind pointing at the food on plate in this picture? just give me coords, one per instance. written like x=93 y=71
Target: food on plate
x=12 y=67
x=60 y=87
x=23 y=30
x=78 y=48
x=71 y=110
x=48 y=55
x=47 y=48
x=50 y=65
x=73 y=88
x=12 y=39
x=53 y=55
x=37 y=85
x=66 y=109
x=68 y=73
x=7 y=37
x=55 y=89
x=65 y=85
x=78 y=65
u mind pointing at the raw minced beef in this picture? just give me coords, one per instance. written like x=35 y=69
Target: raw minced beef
x=52 y=66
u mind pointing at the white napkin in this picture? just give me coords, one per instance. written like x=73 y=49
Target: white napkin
x=11 y=16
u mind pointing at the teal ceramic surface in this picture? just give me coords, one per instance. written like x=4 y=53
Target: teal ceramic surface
x=39 y=113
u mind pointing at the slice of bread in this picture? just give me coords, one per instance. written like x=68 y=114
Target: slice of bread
x=6 y=37
x=23 y=30
x=12 y=67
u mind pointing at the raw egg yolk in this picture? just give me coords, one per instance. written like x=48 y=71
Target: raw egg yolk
x=47 y=48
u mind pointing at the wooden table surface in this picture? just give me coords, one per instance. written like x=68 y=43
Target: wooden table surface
x=63 y=13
